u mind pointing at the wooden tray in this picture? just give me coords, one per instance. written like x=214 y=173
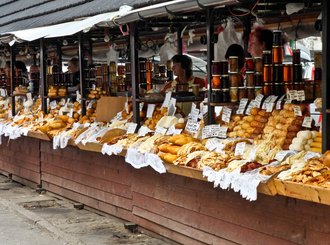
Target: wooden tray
x=268 y=188
x=184 y=171
x=301 y=191
x=38 y=135
x=95 y=147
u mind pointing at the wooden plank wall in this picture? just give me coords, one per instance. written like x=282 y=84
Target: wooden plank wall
x=186 y=210
x=21 y=159
x=93 y=179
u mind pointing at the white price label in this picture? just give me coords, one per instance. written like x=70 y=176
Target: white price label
x=53 y=105
x=226 y=113
x=269 y=107
x=194 y=114
x=131 y=128
x=150 y=110
x=297 y=111
x=167 y=99
x=173 y=131
x=160 y=130
x=217 y=110
x=301 y=95
x=89 y=105
x=273 y=99
x=307 y=123
x=212 y=144
x=119 y=116
x=259 y=99
x=288 y=102
x=67 y=102
x=192 y=126
x=141 y=106
x=242 y=106
x=143 y=131
x=293 y=95
x=210 y=131
x=171 y=110
x=240 y=148
x=253 y=104
x=29 y=96
x=70 y=114
x=223 y=132
x=2 y=92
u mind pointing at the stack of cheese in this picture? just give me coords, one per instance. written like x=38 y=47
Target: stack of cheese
x=251 y=126
x=304 y=141
x=316 y=143
x=283 y=126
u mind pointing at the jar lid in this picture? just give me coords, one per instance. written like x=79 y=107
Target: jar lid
x=233 y=88
x=259 y=87
x=225 y=90
x=250 y=87
x=258 y=73
x=233 y=57
x=241 y=87
x=224 y=76
x=231 y=73
x=258 y=58
x=249 y=72
x=278 y=65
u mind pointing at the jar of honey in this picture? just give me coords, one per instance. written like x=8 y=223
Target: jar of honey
x=225 y=81
x=249 y=75
x=267 y=57
x=267 y=74
x=277 y=54
x=277 y=73
x=258 y=64
x=287 y=73
x=233 y=63
x=215 y=67
x=296 y=56
x=267 y=89
x=249 y=64
x=250 y=93
x=277 y=38
x=223 y=67
x=216 y=82
x=233 y=93
x=258 y=79
x=297 y=73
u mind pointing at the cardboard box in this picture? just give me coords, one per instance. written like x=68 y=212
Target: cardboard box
x=108 y=107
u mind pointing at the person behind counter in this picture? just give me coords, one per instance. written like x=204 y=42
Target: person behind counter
x=182 y=69
x=260 y=39
x=74 y=70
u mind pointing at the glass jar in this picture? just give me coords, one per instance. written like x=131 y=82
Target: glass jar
x=309 y=90
x=225 y=95
x=267 y=57
x=258 y=79
x=224 y=81
x=216 y=82
x=297 y=73
x=249 y=75
x=233 y=93
x=267 y=74
x=278 y=89
x=277 y=73
x=234 y=79
x=216 y=96
x=223 y=67
x=249 y=64
x=233 y=63
x=250 y=93
x=318 y=90
x=278 y=54
x=267 y=89
x=296 y=56
x=277 y=38
x=215 y=67
x=287 y=73
x=258 y=64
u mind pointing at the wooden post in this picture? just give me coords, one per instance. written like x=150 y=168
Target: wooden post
x=134 y=70
x=81 y=74
x=13 y=77
x=43 y=76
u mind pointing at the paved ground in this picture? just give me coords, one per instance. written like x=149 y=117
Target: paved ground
x=27 y=217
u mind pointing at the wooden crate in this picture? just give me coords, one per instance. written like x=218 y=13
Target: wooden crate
x=268 y=188
x=301 y=191
x=95 y=147
x=185 y=171
x=38 y=135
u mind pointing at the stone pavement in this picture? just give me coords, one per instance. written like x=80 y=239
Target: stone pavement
x=27 y=217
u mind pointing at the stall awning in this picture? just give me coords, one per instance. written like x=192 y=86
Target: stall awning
x=60 y=30
x=171 y=7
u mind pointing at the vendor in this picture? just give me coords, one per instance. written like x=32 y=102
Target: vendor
x=182 y=69
x=74 y=70
x=260 y=39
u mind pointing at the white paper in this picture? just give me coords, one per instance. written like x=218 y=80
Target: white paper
x=150 y=110
x=307 y=122
x=131 y=127
x=226 y=114
x=155 y=162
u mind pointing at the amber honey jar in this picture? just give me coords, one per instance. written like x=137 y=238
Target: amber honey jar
x=277 y=54
x=234 y=79
x=267 y=74
x=277 y=38
x=267 y=89
x=287 y=73
x=249 y=75
x=258 y=64
x=216 y=82
x=233 y=93
x=233 y=63
x=258 y=79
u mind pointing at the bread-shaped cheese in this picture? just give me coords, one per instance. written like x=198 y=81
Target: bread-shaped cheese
x=169 y=148
x=109 y=135
x=167 y=121
x=168 y=157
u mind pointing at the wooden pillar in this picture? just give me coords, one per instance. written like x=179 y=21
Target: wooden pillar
x=81 y=74
x=13 y=78
x=134 y=70
x=43 y=76
x=325 y=78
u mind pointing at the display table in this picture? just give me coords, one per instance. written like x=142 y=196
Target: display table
x=179 y=205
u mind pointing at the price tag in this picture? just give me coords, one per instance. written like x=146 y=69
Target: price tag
x=297 y=111
x=119 y=116
x=29 y=96
x=171 y=110
x=293 y=95
x=240 y=148
x=301 y=95
x=252 y=104
x=266 y=101
x=259 y=99
x=160 y=130
x=226 y=113
x=192 y=126
x=2 y=92
x=307 y=123
x=78 y=96
x=150 y=110
x=173 y=131
x=67 y=102
x=53 y=105
x=89 y=105
x=273 y=98
x=210 y=131
x=281 y=155
x=269 y=107
x=203 y=111
x=141 y=106
x=217 y=110
x=131 y=128
x=242 y=106
x=212 y=144
x=194 y=114
x=288 y=102
x=70 y=114
x=223 y=132
x=143 y=131
x=167 y=99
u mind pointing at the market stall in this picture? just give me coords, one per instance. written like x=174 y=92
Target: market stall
x=170 y=173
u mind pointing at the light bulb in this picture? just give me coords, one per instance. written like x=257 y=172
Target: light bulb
x=65 y=42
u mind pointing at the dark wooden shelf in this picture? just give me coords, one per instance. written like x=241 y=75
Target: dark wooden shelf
x=62 y=97
x=222 y=103
x=178 y=99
